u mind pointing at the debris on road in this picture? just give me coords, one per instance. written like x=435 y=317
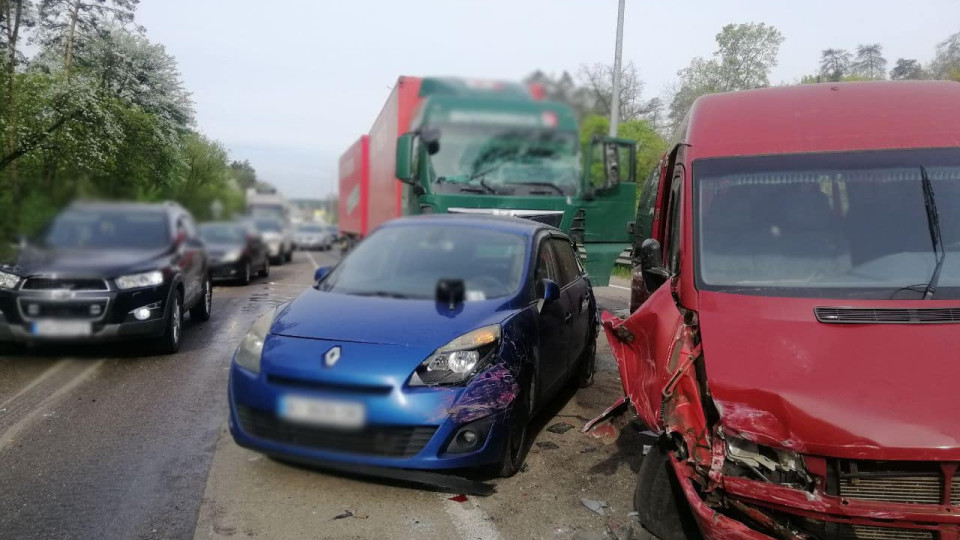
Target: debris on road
x=548 y=445
x=596 y=506
x=458 y=498
x=560 y=428
x=348 y=514
x=607 y=432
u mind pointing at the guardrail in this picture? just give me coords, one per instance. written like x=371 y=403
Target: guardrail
x=622 y=260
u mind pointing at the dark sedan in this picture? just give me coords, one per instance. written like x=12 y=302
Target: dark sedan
x=236 y=251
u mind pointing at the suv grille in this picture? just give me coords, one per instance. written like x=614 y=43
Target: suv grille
x=389 y=441
x=889 y=316
x=70 y=284
x=90 y=310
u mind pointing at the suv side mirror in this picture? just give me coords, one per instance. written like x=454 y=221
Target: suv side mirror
x=404 y=166
x=651 y=265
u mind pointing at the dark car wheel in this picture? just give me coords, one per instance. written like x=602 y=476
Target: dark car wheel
x=265 y=271
x=278 y=260
x=516 y=448
x=169 y=342
x=587 y=363
x=288 y=257
x=658 y=500
x=245 y=274
x=201 y=311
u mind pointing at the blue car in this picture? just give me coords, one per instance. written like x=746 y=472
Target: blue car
x=429 y=347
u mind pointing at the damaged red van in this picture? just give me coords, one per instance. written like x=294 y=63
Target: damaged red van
x=796 y=343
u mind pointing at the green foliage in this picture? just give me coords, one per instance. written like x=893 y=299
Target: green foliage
x=907 y=69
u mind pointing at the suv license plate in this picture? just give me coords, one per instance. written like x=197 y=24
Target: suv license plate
x=62 y=328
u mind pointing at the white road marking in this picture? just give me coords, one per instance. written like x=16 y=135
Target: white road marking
x=11 y=433
x=470 y=520
x=312 y=260
x=619 y=287
x=49 y=372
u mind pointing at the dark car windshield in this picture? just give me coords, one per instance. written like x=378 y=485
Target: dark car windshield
x=844 y=225
x=268 y=225
x=105 y=228
x=507 y=160
x=407 y=261
x=221 y=233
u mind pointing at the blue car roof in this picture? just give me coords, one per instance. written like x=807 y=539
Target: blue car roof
x=524 y=227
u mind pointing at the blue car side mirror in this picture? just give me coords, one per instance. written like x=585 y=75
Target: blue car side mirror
x=548 y=290
x=321 y=273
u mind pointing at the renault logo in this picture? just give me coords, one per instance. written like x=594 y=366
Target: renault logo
x=331 y=357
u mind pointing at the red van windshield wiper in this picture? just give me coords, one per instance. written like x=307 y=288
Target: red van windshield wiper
x=933 y=220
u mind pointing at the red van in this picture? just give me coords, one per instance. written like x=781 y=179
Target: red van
x=796 y=339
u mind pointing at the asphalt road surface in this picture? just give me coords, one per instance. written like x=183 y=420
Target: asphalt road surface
x=102 y=442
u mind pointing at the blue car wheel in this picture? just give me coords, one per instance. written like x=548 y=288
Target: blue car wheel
x=515 y=451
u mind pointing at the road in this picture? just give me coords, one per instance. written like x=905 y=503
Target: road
x=102 y=443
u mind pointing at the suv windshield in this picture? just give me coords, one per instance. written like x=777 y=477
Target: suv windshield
x=844 y=225
x=103 y=228
x=506 y=160
x=407 y=261
x=220 y=233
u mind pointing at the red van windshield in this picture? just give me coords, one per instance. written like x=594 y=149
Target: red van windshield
x=840 y=225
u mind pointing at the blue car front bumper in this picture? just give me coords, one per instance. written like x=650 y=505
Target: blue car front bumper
x=405 y=428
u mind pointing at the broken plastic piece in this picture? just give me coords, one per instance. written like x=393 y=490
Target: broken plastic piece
x=596 y=506
x=458 y=498
x=560 y=428
x=608 y=412
x=547 y=445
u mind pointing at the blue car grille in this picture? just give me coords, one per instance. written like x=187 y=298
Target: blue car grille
x=373 y=390
x=386 y=441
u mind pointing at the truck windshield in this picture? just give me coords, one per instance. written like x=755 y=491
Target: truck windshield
x=843 y=225
x=506 y=161
x=407 y=261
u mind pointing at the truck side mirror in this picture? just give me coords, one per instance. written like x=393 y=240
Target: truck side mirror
x=651 y=265
x=404 y=166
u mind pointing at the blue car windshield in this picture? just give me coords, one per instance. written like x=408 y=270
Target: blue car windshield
x=407 y=261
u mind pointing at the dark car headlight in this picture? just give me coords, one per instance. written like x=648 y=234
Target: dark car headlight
x=8 y=280
x=458 y=361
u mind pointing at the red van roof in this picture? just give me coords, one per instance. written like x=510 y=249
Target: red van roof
x=826 y=117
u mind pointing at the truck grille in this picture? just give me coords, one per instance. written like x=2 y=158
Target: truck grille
x=865 y=532
x=388 y=441
x=91 y=310
x=69 y=284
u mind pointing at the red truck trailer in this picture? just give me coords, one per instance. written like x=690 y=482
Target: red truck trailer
x=353 y=206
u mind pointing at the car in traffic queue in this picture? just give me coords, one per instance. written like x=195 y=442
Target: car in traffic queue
x=278 y=236
x=311 y=236
x=797 y=295
x=236 y=250
x=429 y=347
x=107 y=271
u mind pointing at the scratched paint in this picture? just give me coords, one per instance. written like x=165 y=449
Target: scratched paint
x=489 y=392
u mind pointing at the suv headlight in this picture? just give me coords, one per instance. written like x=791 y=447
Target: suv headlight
x=8 y=280
x=143 y=279
x=458 y=361
x=250 y=350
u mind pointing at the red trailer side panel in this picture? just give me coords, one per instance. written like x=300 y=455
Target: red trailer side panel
x=355 y=188
x=386 y=192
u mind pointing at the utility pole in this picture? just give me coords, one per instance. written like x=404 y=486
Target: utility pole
x=615 y=101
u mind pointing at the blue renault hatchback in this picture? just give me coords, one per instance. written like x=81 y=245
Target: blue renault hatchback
x=429 y=347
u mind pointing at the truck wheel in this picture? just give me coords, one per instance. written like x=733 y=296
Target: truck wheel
x=658 y=500
x=169 y=342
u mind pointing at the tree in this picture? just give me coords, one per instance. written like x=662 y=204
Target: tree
x=745 y=55
x=243 y=174
x=946 y=63
x=834 y=64
x=598 y=81
x=870 y=63
x=906 y=69
x=69 y=25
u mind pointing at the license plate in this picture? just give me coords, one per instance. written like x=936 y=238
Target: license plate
x=322 y=412
x=62 y=328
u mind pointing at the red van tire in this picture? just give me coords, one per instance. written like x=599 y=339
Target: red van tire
x=659 y=501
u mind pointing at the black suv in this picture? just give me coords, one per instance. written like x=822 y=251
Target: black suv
x=102 y=271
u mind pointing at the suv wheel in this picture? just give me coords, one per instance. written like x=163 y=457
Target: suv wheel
x=265 y=271
x=169 y=342
x=201 y=311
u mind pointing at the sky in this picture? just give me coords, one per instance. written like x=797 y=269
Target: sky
x=290 y=84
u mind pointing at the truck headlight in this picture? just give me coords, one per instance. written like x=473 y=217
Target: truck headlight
x=8 y=280
x=250 y=350
x=143 y=279
x=457 y=361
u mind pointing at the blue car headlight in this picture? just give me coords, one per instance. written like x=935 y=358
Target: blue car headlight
x=250 y=350
x=458 y=361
